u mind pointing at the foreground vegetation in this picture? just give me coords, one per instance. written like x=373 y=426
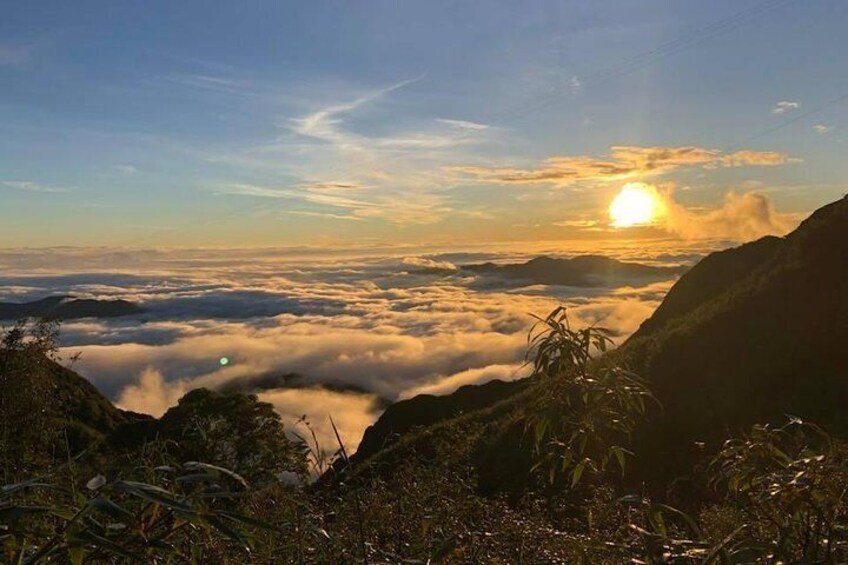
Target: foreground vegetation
x=217 y=481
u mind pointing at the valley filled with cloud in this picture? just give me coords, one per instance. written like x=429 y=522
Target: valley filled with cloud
x=314 y=333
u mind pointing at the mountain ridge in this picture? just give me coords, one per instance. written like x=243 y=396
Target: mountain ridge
x=65 y=307
x=581 y=270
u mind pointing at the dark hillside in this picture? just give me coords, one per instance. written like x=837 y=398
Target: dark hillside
x=88 y=415
x=768 y=345
x=712 y=276
x=748 y=335
x=425 y=410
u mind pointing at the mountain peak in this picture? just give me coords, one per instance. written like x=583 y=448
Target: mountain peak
x=65 y=307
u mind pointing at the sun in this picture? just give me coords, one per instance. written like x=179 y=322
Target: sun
x=637 y=204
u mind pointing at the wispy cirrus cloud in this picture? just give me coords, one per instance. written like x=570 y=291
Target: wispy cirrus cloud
x=580 y=224
x=623 y=162
x=326 y=215
x=31 y=186
x=347 y=167
x=393 y=206
x=463 y=124
x=220 y=84
x=326 y=123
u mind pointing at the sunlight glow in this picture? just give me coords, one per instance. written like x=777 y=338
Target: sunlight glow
x=637 y=204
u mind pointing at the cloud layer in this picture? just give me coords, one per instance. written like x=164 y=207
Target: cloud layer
x=359 y=332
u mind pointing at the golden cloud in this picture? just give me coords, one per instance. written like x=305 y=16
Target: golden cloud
x=740 y=217
x=623 y=162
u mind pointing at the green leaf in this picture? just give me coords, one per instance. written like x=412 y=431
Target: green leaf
x=443 y=551
x=15 y=513
x=655 y=518
x=153 y=494
x=720 y=549
x=231 y=533
x=9 y=490
x=232 y=474
x=77 y=555
x=247 y=520
x=104 y=543
x=111 y=508
x=688 y=520
x=577 y=473
x=619 y=454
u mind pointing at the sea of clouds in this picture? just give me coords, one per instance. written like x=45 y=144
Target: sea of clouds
x=359 y=331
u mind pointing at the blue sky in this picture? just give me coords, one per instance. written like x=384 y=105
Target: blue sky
x=343 y=123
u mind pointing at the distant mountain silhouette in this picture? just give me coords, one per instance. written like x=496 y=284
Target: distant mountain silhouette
x=583 y=271
x=68 y=308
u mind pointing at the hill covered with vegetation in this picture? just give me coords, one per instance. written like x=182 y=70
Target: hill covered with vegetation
x=748 y=335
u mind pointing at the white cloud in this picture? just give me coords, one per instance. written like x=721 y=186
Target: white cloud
x=448 y=384
x=785 y=106
x=741 y=217
x=425 y=263
x=325 y=124
x=350 y=412
x=822 y=129
x=463 y=124
x=151 y=394
x=576 y=84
